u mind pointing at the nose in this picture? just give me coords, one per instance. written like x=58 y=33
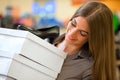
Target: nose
x=73 y=33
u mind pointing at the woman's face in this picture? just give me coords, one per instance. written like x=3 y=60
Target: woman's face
x=77 y=32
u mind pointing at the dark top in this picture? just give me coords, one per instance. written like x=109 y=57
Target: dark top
x=77 y=67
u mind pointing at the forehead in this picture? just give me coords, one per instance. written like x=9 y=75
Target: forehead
x=82 y=23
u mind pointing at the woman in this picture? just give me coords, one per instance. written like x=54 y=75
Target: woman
x=89 y=43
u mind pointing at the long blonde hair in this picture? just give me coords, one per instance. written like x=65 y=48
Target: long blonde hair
x=101 y=39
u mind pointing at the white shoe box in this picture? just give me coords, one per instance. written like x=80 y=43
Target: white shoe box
x=21 y=68
x=30 y=49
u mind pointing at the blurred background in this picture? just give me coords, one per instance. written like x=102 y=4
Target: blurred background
x=46 y=13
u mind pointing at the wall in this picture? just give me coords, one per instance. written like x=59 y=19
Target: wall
x=64 y=8
x=114 y=5
x=25 y=5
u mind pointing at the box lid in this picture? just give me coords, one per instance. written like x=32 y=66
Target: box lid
x=20 y=34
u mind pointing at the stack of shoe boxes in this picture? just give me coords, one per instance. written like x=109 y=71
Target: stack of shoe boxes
x=24 y=56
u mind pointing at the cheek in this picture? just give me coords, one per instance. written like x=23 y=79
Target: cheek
x=82 y=40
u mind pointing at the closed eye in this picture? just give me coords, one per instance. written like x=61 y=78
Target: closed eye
x=73 y=23
x=83 y=33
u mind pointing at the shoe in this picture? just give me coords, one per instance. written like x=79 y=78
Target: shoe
x=49 y=32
